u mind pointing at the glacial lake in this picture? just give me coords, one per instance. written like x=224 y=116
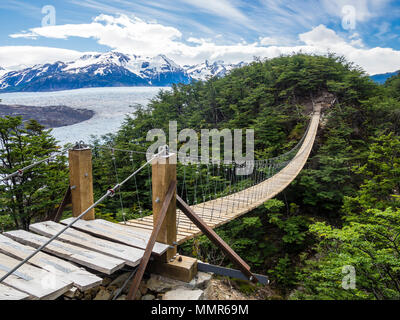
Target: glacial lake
x=110 y=105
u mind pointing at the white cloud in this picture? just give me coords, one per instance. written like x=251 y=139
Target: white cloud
x=110 y=31
x=222 y=8
x=357 y=43
x=134 y=35
x=16 y=57
x=268 y=41
x=196 y=40
x=321 y=37
x=354 y=35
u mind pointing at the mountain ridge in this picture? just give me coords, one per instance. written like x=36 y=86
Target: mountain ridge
x=111 y=69
x=382 y=77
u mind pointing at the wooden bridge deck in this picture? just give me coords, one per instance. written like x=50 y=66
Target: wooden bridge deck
x=78 y=258
x=222 y=210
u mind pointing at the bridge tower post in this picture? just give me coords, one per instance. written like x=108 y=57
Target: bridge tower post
x=170 y=265
x=81 y=180
x=163 y=173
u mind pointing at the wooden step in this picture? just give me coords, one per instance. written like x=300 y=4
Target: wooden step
x=130 y=255
x=117 y=232
x=8 y=293
x=34 y=281
x=84 y=257
x=81 y=278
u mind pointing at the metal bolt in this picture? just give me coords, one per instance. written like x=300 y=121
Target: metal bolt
x=173 y=258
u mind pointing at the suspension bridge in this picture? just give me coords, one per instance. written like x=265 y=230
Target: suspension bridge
x=75 y=252
x=220 y=211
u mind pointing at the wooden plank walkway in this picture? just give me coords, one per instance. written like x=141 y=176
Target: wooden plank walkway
x=97 y=245
x=117 y=233
x=36 y=282
x=85 y=257
x=130 y=255
x=82 y=279
x=8 y=293
x=222 y=210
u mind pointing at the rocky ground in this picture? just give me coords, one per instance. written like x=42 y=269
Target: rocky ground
x=154 y=287
x=50 y=117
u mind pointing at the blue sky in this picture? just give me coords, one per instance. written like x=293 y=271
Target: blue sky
x=190 y=31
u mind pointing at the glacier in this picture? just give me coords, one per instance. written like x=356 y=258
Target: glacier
x=111 y=105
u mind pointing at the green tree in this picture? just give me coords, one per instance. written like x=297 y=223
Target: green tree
x=393 y=86
x=36 y=193
x=371 y=246
x=369 y=239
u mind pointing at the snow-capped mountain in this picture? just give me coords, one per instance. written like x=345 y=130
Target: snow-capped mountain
x=111 y=69
x=2 y=71
x=206 y=69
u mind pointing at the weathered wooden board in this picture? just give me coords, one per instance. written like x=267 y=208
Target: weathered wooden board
x=146 y=226
x=37 y=282
x=149 y=222
x=81 y=278
x=85 y=257
x=121 y=228
x=129 y=254
x=117 y=232
x=8 y=293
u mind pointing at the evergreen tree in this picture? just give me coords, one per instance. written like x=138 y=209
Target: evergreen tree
x=35 y=194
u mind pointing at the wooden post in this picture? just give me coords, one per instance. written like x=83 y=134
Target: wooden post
x=164 y=172
x=81 y=181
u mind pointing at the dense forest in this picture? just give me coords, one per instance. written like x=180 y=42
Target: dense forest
x=341 y=214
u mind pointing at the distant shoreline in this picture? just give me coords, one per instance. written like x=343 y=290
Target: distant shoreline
x=49 y=116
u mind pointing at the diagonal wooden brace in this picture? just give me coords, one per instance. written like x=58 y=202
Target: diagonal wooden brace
x=147 y=253
x=66 y=200
x=216 y=239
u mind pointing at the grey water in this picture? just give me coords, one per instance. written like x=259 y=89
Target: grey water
x=111 y=105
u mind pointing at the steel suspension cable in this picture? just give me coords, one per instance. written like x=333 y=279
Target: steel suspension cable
x=20 y=172
x=109 y=193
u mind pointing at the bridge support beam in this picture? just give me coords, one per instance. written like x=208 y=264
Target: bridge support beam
x=81 y=180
